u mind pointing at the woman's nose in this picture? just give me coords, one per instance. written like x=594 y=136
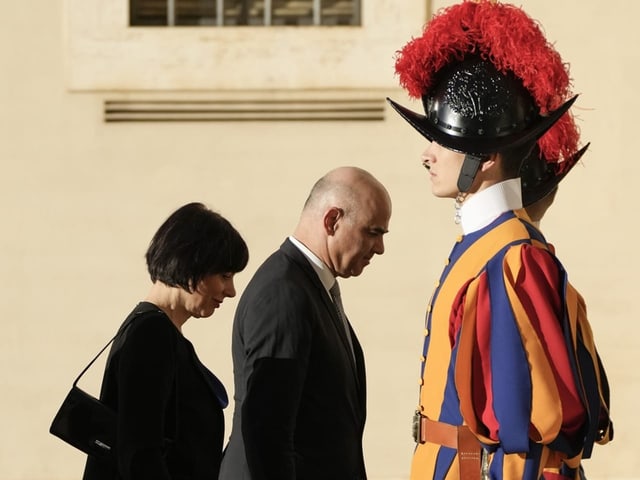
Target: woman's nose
x=230 y=290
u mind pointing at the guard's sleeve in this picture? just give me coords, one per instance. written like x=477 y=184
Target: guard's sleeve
x=514 y=373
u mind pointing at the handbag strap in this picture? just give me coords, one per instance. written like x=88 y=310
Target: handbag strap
x=121 y=330
x=94 y=359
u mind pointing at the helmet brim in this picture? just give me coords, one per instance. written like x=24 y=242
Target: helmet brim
x=478 y=144
x=532 y=193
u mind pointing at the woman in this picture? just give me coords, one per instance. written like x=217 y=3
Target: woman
x=170 y=420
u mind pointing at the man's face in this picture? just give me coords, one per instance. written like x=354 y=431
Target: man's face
x=359 y=236
x=444 y=167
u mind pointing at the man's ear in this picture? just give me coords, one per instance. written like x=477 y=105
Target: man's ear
x=331 y=218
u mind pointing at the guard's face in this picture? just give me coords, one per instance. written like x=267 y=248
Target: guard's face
x=444 y=167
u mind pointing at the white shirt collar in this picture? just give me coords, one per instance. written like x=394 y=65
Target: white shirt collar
x=325 y=275
x=488 y=204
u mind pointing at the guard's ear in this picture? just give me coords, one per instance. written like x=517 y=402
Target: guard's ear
x=331 y=218
x=490 y=162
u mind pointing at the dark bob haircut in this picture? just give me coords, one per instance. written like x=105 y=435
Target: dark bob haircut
x=192 y=243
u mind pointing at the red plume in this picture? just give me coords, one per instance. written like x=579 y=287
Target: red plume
x=505 y=35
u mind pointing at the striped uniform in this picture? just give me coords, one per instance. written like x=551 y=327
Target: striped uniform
x=508 y=352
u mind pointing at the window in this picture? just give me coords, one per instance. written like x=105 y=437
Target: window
x=104 y=53
x=244 y=12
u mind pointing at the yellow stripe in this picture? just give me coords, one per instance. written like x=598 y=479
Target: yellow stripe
x=513 y=466
x=546 y=407
x=423 y=461
x=439 y=355
x=467 y=266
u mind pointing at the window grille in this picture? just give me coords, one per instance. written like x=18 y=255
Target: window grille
x=244 y=12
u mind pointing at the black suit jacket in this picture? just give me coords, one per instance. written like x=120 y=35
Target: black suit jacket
x=300 y=401
x=170 y=420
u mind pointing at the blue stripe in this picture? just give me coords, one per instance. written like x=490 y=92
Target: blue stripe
x=450 y=409
x=450 y=413
x=534 y=233
x=562 y=443
x=532 y=462
x=586 y=381
x=497 y=465
x=511 y=382
x=458 y=250
x=444 y=460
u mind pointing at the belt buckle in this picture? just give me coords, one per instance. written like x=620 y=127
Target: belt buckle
x=415 y=426
x=484 y=465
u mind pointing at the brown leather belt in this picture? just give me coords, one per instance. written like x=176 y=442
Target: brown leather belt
x=459 y=438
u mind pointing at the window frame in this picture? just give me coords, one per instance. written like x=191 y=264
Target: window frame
x=218 y=17
x=103 y=53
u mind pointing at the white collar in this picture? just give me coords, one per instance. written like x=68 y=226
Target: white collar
x=325 y=275
x=488 y=204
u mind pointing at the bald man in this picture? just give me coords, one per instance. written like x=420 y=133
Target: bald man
x=300 y=393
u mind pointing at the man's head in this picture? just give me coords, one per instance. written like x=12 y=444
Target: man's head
x=192 y=244
x=490 y=83
x=344 y=219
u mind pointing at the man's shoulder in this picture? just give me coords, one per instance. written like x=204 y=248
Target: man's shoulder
x=283 y=269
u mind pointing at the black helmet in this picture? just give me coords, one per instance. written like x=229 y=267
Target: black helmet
x=489 y=82
x=475 y=109
x=540 y=177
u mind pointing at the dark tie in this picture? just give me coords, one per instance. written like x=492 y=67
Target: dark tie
x=337 y=301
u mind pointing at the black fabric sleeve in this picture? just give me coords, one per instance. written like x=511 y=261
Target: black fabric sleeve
x=269 y=417
x=146 y=377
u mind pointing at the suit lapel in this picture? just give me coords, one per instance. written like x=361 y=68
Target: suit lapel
x=291 y=251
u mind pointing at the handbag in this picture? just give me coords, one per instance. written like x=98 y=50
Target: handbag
x=86 y=423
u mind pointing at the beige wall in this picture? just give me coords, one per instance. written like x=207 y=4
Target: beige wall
x=80 y=199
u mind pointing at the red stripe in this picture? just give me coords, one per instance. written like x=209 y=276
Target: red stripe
x=538 y=288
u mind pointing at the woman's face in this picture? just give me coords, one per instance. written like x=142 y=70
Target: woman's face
x=209 y=294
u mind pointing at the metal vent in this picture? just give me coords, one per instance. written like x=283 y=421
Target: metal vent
x=359 y=109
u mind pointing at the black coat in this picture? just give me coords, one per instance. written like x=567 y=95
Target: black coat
x=300 y=401
x=170 y=420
